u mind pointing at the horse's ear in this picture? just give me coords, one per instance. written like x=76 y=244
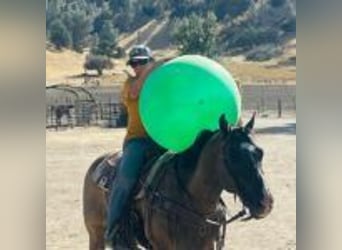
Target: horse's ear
x=249 y=126
x=223 y=124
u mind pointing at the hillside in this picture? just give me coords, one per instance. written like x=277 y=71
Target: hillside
x=243 y=26
x=61 y=65
x=67 y=67
x=256 y=46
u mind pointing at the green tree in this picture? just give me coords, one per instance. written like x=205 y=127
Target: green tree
x=59 y=34
x=151 y=8
x=119 y=5
x=52 y=13
x=180 y=8
x=98 y=63
x=99 y=3
x=124 y=12
x=248 y=36
x=79 y=25
x=107 y=40
x=277 y=3
x=231 y=8
x=99 y=21
x=196 y=35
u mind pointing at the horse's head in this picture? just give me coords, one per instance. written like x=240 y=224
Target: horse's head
x=242 y=161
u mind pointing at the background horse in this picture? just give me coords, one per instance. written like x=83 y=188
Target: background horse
x=181 y=209
x=60 y=111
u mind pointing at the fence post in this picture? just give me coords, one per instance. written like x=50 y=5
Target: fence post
x=262 y=102
x=279 y=108
x=96 y=107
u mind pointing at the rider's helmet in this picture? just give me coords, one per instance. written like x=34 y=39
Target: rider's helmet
x=140 y=54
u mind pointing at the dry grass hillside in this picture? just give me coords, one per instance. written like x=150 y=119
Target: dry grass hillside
x=61 y=65
x=67 y=67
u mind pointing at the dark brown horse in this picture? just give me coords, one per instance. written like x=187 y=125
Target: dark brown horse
x=60 y=111
x=181 y=209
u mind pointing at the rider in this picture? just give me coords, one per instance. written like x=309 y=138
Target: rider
x=136 y=142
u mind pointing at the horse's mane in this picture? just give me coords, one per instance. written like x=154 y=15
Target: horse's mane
x=187 y=160
x=191 y=155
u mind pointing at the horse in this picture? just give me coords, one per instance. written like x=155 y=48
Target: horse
x=182 y=209
x=60 y=111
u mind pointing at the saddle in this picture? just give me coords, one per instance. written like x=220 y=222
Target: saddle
x=150 y=177
x=131 y=225
x=105 y=172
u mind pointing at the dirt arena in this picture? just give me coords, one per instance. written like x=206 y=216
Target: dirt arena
x=70 y=152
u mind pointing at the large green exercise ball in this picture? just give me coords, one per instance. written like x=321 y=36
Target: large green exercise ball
x=184 y=96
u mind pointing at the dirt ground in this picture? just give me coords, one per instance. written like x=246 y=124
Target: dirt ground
x=70 y=152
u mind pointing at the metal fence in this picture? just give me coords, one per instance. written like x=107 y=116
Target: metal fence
x=68 y=106
x=263 y=98
x=101 y=105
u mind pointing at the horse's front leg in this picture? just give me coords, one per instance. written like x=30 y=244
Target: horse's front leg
x=160 y=239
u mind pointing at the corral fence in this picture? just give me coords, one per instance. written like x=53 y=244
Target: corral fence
x=263 y=98
x=69 y=106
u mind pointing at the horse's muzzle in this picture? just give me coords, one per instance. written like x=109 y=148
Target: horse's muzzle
x=265 y=207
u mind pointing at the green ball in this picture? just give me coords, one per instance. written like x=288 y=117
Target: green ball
x=184 y=96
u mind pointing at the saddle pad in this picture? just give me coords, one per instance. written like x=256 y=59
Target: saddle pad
x=105 y=171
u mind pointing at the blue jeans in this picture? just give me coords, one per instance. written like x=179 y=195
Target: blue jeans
x=133 y=158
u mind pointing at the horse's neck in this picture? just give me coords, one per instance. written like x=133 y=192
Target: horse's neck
x=205 y=186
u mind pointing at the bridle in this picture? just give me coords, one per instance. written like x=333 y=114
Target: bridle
x=214 y=223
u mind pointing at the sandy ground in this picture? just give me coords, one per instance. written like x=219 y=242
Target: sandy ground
x=70 y=152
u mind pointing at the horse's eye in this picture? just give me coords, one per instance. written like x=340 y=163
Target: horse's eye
x=259 y=153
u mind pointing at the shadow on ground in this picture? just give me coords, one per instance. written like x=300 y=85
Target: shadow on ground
x=289 y=129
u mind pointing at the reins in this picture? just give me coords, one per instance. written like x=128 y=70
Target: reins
x=240 y=214
x=213 y=224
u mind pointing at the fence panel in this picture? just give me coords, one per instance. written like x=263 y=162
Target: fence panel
x=105 y=108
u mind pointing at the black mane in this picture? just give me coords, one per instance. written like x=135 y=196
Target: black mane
x=187 y=160
x=191 y=155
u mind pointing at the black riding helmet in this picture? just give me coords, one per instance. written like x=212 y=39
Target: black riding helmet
x=140 y=54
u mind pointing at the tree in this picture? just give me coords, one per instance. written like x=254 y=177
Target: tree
x=106 y=40
x=277 y=3
x=99 y=21
x=52 y=13
x=196 y=35
x=245 y=37
x=99 y=3
x=289 y=26
x=232 y=8
x=79 y=25
x=98 y=63
x=124 y=12
x=119 y=5
x=59 y=34
x=179 y=8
